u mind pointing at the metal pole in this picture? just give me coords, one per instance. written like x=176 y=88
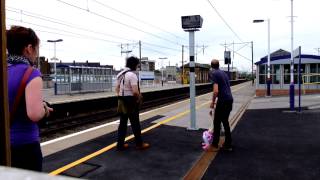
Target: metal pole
x=5 y=151
x=55 y=63
x=192 y=83
x=70 y=80
x=252 y=63
x=232 y=55
x=268 y=66
x=140 y=53
x=299 y=67
x=140 y=63
x=291 y=64
x=162 y=72
x=182 y=73
x=229 y=71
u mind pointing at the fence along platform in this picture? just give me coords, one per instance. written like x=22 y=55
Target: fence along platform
x=81 y=79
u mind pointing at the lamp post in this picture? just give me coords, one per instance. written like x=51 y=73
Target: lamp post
x=268 y=64
x=291 y=89
x=162 y=58
x=191 y=24
x=55 y=64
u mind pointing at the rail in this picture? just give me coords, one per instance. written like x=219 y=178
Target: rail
x=73 y=114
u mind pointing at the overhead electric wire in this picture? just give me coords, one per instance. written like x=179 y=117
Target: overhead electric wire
x=240 y=55
x=139 y=20
x=38 y=30
x=118 y=22
x=151 y=44
x=242 y=46
x=224 y=20
x=71 y=34
x=56 y=21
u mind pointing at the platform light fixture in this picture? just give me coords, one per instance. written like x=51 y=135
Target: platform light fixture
x=162 y=58
x=268 y=64
x=55 y=63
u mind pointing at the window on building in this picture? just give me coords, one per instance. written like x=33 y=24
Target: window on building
x=287 y=74
x=314 y=74
x=286 y=79
x=286 y=68
x=262 y=74
x=313 y=68
x=275 y=74
x=262 y=79
x=262 y=69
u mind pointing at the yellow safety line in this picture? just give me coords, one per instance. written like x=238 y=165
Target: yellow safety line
x=107 y=148
x=199 y=168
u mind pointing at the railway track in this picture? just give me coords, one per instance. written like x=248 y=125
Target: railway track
x=71 y=116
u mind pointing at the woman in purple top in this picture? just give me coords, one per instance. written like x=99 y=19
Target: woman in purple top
x=23 y=50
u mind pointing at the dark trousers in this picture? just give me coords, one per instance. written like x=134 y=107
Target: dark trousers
x=135 y=126
x=28 y=156
x=222 y=113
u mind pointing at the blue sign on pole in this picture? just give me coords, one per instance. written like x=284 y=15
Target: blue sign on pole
x=297 y=54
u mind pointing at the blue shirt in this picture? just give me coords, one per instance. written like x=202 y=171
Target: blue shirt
x=22 y=129
x=219 y=77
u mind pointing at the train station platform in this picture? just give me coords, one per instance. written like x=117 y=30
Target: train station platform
x=271 y=142
x=265 y=138
x=50 y=97
x=174 y=149
x=48 y=94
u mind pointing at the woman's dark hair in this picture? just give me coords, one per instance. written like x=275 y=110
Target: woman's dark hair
x=19 y=37
x=132 y=63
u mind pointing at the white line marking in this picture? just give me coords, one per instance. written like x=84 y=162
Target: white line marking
x=115 y=122
x=78 y=133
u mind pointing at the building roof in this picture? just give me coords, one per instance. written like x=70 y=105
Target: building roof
x=85 y=64
x=283 y=57
x=198 y=65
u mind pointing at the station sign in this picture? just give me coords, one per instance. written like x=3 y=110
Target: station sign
x=146 y=75
x=191 y=22
x=227 y=57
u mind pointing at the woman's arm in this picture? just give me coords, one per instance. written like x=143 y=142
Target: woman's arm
x=34 y=101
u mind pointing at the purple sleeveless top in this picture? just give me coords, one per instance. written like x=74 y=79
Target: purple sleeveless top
x=22 y=130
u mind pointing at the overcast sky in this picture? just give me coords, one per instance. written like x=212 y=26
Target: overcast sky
x=94 y=29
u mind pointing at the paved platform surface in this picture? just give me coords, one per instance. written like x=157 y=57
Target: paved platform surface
x=174 y=149
x=272 y=143
x=269 y=141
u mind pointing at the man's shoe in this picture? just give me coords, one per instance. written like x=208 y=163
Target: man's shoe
x=124 y=147
x=143 y=146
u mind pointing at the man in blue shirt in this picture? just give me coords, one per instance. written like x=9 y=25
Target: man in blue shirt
x=223 y=106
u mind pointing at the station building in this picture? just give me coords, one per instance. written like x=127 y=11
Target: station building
x=280 y=73
x=201 y=73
